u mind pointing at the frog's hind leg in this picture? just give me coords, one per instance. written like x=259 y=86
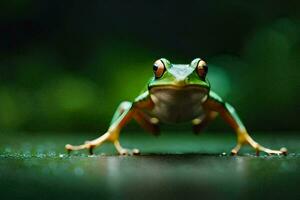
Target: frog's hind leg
x=200 y=123
x=123 y=115
x=229 y=114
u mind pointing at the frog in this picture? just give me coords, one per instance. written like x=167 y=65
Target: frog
x=176 y=93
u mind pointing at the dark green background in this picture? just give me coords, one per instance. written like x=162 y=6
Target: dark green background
x=65 y=66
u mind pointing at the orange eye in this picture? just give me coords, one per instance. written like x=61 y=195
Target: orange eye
x=202 y=69
x=158 y=68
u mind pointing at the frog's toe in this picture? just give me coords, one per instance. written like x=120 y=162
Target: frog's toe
x=236 y=149
x=284 y=151
x=68 y=147
x=124 y=152
x=136 y=152
x=233 y=152
x=89 y=146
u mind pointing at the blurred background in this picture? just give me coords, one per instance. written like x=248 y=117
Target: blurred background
x=65 y=66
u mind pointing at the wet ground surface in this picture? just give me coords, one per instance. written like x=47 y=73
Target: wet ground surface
x=181 y=165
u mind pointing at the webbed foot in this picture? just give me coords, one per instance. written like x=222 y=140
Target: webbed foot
x=244 y=138
x=87 y=146
x=109 y=136
x=129 y=152
x=124 y=151
x=259 y=148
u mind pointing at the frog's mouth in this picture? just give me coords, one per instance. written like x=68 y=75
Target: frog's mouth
x=193 y=87
x=179 y=92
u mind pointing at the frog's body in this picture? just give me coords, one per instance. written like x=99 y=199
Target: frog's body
x=177 y=93
x=173 y=105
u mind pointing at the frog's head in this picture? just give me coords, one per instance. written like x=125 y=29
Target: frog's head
x=179 y=75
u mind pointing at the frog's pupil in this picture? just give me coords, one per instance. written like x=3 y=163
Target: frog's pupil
x=155 y=67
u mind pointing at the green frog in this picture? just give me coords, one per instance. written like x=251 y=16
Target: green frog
x=176 y=93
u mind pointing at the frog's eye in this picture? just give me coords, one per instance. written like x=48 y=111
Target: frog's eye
x=159 y=68
x=202 y=69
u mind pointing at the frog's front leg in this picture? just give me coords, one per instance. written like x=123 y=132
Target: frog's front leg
x=125 y=112
x=228 y=113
